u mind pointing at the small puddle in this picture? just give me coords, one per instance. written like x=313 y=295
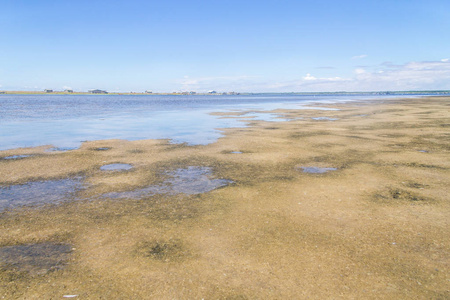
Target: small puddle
x=194 y=180
x=268 y=117
x=423 y=151
x=35 y=259
x=116 y=167
x=190 y=181
x=236 y=152
x=61 y=149
x=317 y=170
x=39 y=192
x=14 y=157
x=325 y=119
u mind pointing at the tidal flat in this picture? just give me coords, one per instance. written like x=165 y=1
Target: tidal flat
x=376 y=226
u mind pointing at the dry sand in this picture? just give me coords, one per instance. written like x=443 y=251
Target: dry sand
x=375 y=228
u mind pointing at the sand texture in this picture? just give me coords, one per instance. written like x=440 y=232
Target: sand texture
x=246 y=217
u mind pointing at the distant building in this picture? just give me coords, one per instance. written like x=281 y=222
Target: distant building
x=2 y=92
x=97 y=92
x=148 y=92
x=192 y=93
x=212 y=92
x=48 y=91
x=68 y=91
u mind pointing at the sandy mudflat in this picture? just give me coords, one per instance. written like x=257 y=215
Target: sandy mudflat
x=247 y=217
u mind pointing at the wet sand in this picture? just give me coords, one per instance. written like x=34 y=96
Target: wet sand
x=371 y=221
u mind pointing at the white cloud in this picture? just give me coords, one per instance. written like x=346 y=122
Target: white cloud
x=410 y=76
x=425 y=75
x=360 y=56
x=309 y=77
x=445 y=60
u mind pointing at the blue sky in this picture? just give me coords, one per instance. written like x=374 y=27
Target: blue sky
x=244 y=46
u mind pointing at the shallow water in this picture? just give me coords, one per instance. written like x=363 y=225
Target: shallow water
x=61 y=149
x=65 y=121
x=39 y=192
x=116 y=167
x=35 y=259
x=325 y=119
x=14 y=157
x=316 y=170
x=268 y=117
x=102 y=149
x=190 y=181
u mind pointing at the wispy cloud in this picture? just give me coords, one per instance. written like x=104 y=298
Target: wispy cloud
x=425 y=75
x=360 y=56
x=413 y=75
x=308 y=83
x=219 y=83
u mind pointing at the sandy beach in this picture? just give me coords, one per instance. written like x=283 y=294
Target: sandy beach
x=351 y=203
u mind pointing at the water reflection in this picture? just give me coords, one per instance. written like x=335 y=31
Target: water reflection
x=317 y=170
x=15 y=157
x=39 y=193
x=64 y=121
x=268 y=117
x=116 y=167
x=325 y=119
x=190 y=181
x=35 y=259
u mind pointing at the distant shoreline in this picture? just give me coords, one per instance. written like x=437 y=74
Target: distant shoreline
x=343 y=93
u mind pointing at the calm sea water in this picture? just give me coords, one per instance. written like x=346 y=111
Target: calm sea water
x=65 y=121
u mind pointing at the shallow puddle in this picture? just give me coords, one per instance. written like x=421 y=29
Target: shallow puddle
x=39 y=192
x=192 y=180
x=35 y=259
x=317 y=170
x=325 y=119
x=236 y=152
x=61 y=149
x=14 y=157
x=268 y=117
x=116 y=167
